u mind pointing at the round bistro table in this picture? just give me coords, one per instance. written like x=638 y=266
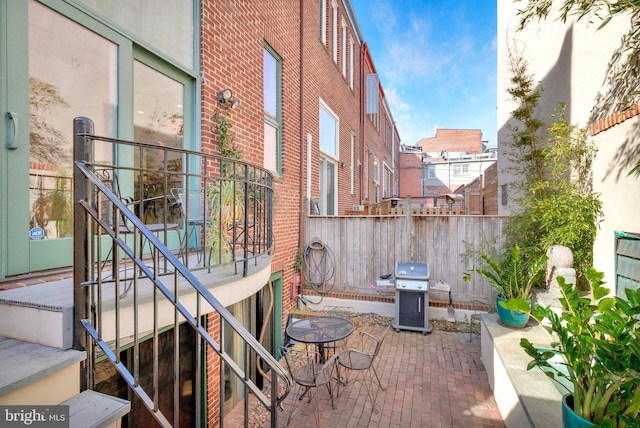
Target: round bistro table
x=320 y=331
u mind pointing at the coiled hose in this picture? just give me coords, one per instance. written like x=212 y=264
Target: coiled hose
x=319 y=265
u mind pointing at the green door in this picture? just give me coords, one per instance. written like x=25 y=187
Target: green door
x=56 y=70
x=58 y=63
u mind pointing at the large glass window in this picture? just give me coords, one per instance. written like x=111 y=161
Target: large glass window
x=271 y=96
x=328 y=194
x=72 y=72
x=158 y=103
x=328 y=132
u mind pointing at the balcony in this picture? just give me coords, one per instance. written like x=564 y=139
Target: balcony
x=163 y=237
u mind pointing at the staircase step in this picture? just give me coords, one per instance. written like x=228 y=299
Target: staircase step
x=27 y=367
x=41 y=313
x=91 y=409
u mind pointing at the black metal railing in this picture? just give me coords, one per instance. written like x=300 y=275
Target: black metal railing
x=135 y=234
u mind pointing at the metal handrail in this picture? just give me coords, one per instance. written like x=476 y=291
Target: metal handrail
x=168 y=276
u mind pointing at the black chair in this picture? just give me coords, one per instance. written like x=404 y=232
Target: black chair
x=361 y=361
x=309 y=375
x=119 y=222
x=192 y=208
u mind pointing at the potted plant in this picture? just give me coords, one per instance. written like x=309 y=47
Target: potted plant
x=598 y=338
x=512 y=278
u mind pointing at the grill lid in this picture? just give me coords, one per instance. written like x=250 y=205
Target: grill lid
x=412 y=270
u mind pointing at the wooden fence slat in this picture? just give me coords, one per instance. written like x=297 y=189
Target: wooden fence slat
x=366 y=247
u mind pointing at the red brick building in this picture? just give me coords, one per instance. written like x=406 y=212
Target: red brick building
x=443 y=164
x=310 y=108
x=454 y=140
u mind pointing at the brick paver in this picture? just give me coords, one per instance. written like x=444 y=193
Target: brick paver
x=437 y=380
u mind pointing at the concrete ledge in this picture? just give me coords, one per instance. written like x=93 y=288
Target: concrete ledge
x=28 y=365
x=525 y=398
x=96 y=410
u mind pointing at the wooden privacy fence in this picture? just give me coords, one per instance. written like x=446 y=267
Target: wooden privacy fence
x=367 y=247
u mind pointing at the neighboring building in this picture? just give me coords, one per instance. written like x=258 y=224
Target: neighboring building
x=454 y=140
x=576 y=63
x=307 y=105
x=444 y=164
x=380 y=140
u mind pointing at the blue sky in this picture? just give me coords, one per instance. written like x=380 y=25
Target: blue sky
x=436 y=60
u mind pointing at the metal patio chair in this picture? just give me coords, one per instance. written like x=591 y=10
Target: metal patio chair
x=360 y=364
x=192 y=208
x=109 y=177
x=309 y=375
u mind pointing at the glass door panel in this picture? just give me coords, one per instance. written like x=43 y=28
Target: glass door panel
x=158 y=102
x=72 y=72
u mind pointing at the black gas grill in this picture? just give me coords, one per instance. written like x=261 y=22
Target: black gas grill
x=412 y=297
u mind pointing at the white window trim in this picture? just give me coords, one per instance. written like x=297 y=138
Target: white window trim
x=351 y=52
x=334 y=30
x=276 y=121
x=343 y=44
x=376 y=170
x=335 y=116
x=386 y=184
x=352 y=155
x=323 y=208
x=323 y=21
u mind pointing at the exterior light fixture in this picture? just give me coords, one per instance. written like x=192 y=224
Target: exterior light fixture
x=225 y=97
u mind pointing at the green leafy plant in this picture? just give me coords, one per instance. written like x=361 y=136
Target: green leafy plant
x=600 y=345
x=553 y=199
x=511 y=277
x=225 y=195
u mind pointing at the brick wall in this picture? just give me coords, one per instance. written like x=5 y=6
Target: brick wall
x=213 y=373
x=453 y=140
x=234 y=33
x=410 y=174
x=323 y=80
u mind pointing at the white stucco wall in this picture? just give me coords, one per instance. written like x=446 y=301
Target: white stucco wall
x=571 y=62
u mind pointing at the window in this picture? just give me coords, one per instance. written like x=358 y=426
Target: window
x=352 y=152
x=386 y=181
x=431 y=171
x=366 y=175
x=328 y=131
x=372 y=93
x=372 y=99
x=323 y=21
x=328 y=159
x=351 y=51
x=334 y=31
x=343 y=48
x=376 y=170
x=461 y=169
x=328 y=178
x=272 y=121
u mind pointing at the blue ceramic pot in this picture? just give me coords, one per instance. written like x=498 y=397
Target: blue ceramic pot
x=511 y=318
x=571 y=419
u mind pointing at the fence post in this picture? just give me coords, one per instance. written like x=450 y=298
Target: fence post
x=82 y=152
x=409 y=231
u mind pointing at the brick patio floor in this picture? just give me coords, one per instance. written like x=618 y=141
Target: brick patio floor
x=437 y=380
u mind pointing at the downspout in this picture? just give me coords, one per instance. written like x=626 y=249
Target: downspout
x=301 y=180
x=362 y=109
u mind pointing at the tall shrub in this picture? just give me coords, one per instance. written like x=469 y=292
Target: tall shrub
x=552 y=166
